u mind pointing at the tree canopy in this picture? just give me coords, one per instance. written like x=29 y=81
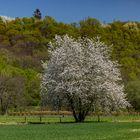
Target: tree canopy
x=81 y=74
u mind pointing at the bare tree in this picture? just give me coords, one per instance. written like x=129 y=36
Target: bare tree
x=81 y=73
x=11 y=92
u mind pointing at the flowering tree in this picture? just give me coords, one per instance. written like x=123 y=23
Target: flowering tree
x=82 y=75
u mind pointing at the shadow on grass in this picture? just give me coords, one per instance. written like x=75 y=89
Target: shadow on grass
x=84 y=122
x=36 y=122
x=72 y=122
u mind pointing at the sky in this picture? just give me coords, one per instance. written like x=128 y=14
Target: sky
x=69 y=11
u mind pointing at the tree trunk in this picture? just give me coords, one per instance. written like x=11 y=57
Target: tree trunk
x=3 y=107
x=3 y=110
x=73 y=110
x=81 y=116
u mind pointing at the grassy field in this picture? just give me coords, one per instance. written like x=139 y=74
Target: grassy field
x=72 y=131
x=110 y=128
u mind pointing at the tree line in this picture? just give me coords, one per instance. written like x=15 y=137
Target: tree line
x=24 y=43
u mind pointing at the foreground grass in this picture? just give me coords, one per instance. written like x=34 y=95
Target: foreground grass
x=72 y=131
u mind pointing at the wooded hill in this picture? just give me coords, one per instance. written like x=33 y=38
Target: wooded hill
x=24 y=44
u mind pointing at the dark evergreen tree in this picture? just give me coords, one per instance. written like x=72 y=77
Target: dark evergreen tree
x=37 y=14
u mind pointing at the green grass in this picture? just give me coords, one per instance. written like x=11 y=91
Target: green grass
x=72 y=131
x=110 y=128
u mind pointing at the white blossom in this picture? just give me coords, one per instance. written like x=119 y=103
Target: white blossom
x=6 y=19
x=81 y=73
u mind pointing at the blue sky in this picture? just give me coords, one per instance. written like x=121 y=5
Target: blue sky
x=69 y=11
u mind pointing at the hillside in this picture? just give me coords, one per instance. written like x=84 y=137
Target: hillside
x=24 y=44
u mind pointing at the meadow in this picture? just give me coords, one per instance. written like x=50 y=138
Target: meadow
x=110 y=128
x=72 y=131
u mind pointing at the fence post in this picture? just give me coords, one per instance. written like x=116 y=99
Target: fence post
x=25 y=119
x=40 y=118
x=60 y=119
